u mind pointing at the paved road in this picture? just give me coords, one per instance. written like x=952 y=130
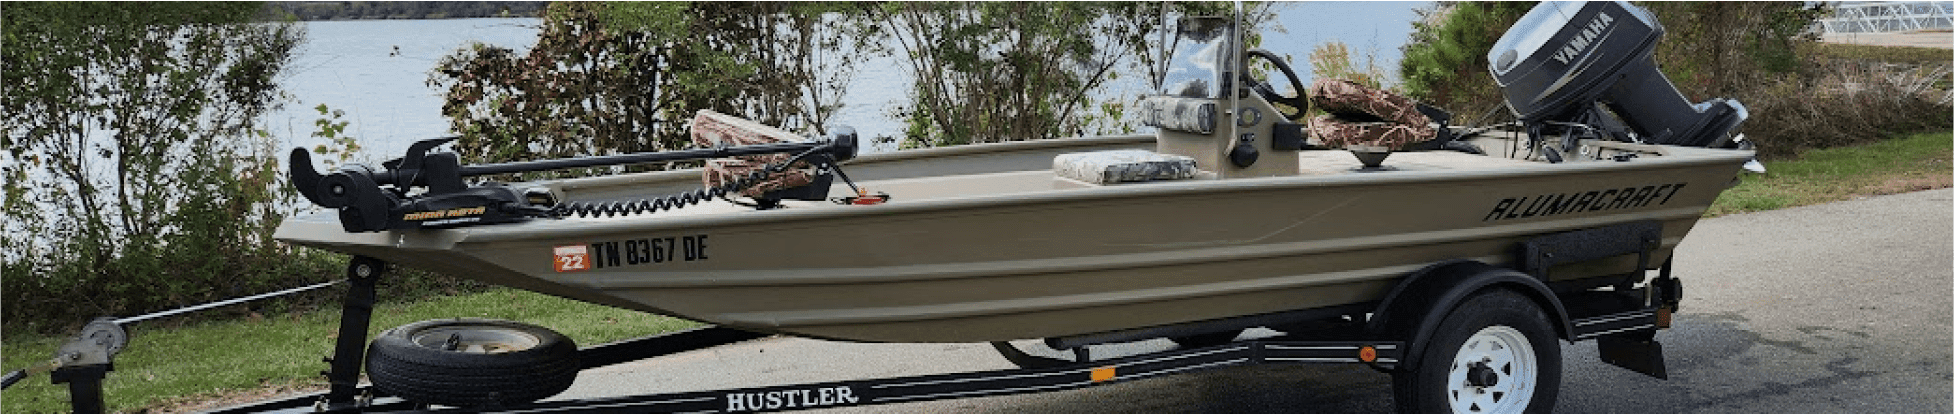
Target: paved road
x=1842 y=307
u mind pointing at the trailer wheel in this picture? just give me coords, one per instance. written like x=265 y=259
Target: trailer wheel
x=1494 y=353
x=472 y=362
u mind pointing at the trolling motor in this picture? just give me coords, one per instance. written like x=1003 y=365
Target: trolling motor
x=1588 y=70
x=372 y=200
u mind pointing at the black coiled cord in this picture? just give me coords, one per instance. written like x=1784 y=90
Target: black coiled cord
x=666 y=202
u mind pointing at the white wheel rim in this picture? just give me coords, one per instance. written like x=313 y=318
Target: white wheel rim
x=1504 y=350
x=476 y=339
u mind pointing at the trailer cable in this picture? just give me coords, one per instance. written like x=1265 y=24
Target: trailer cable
x=11 y=377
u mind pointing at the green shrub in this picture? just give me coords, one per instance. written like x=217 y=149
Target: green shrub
x=1332 y=60
x=1445 y=62
x=137 y=178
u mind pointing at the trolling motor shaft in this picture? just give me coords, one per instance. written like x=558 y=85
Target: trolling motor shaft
x=371 y=199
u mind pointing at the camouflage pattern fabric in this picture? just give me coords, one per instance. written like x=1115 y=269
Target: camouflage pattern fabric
x=1179 y=114
x=1332 y=132
x=1363 y=116
x=1122 y=166
x=727 y=170
x=1351 y=100
x=712 y=129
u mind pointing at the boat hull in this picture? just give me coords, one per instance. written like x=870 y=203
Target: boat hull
x=1007 y=255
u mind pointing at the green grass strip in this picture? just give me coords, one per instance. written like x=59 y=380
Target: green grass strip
x=1907 y=55
x=165 y=366
x=1910 y=163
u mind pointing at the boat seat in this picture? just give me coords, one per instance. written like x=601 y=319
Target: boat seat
x=1122 y=166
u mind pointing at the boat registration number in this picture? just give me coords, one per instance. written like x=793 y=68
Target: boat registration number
x=630 y=252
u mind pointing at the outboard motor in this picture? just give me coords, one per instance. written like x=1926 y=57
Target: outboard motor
x=1563 y=62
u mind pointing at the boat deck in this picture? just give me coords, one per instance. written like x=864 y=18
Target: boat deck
x=1025 y=169
x=1314 y=163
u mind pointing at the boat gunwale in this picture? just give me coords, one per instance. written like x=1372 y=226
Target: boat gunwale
x=1678 y=158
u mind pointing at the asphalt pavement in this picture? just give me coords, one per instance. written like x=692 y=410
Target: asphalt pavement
x=1835 y=308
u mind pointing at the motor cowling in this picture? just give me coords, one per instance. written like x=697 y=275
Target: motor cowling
x=1563 y=60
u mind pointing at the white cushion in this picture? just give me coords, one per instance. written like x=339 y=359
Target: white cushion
x=1122 y=166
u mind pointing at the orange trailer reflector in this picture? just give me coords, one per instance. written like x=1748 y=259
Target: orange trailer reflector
x=1103 y=374
x=1367 y=353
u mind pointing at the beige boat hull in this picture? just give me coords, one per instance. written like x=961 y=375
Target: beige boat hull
x=997 y=248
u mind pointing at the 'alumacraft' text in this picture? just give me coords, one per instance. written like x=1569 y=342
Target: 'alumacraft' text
x=1597 y=200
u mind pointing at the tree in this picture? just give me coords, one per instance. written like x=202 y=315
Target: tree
x=624 y=77
x=1006 y=71
x=627 y=77
x=136 y=177
x=1332 y=59
x=1445 y=62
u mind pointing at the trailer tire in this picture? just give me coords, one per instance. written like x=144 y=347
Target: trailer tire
x=496 y=362
x=1495 y=353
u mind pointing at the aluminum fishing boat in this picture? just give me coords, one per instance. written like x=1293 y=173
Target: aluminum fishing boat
x=1232 y=209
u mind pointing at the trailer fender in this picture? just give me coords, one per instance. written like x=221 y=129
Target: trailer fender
x=1413 y=308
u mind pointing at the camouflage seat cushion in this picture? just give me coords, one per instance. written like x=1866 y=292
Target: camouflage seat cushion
x=713 y=129
x=1122 y=166
x=1363 y=116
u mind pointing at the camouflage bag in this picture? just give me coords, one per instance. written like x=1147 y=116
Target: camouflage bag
x=727 y=170
x=1337 y=133
x=1356 y=102
x=1363 y=116
x=713 y=129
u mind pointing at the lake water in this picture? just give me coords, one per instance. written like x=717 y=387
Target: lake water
x=376 y=70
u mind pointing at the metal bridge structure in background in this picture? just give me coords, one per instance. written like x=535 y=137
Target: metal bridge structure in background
x=1890 y=17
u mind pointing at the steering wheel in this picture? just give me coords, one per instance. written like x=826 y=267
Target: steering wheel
x=1299 y=104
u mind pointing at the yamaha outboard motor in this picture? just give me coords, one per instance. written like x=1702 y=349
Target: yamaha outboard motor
x=1588 y=68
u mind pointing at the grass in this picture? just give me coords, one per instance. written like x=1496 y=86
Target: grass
x=1905 y=55
x=165 y=368
x=1911 y=163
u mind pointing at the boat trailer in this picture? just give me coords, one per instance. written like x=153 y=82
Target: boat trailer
x=1414 y=330
x=1394 y=334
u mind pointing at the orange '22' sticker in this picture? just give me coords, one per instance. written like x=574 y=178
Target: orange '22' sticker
x=572 y=258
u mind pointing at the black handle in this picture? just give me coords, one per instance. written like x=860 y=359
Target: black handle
x=12 y=377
